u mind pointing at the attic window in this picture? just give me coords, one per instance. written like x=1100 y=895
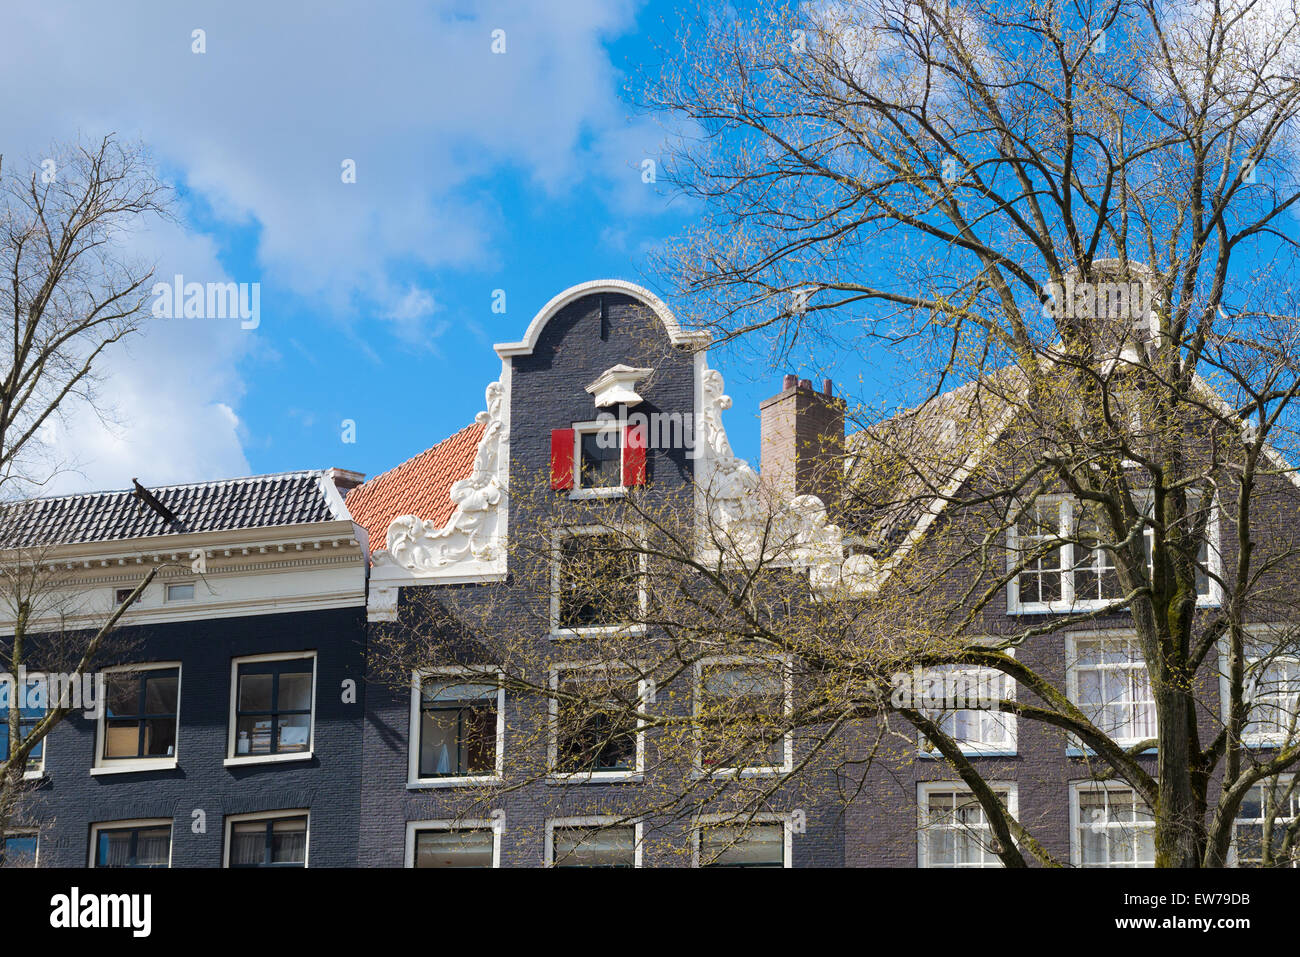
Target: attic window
x=598 y=458
x=181 y=592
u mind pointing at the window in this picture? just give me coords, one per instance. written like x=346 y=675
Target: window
x=139 y=721
x=1272 y=691
x=740 y=707
x=19 y=849
x=180 y=592
x=278 y=840
x=598 y=458
x=31 y=710
x=451 y=844
x=955 y=831
x=122 y=594
x=456 y=727
x=597 y=582
x=758 y=844
x=1109 y=682
x=1111 y=827
x=273 y=707
x=976 y=730
x=1265 y=819
x=595 y=723
x=593 y=842
x=132 y=844
x=1058 y=545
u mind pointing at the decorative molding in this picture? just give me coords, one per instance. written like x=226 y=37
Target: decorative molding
x=472 y=545
x=678 y=335
x=737 y=514
x=617 y=386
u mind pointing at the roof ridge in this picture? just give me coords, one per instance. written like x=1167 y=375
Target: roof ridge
x=234 y=480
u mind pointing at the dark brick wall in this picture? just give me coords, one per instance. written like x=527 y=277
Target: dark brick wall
x=329 y=784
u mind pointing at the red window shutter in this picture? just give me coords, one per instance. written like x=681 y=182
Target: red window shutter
x=634 y=455
x=561 y=458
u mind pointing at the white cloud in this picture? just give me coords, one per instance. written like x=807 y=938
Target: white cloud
x=257 y=128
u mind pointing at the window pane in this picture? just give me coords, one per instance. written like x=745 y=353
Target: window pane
x=594 y=847
x=160 y=693
x=247 y=843
x=255 y=692
x=599 y=582
x=122 y=692
x=471 y=848
x=295 y=732
x=253 y=735
x=755 y=846
x=159 y=737
x=289 y=841
x=601 y=459
x=295 y=691
x=19 y=851
x=121 y=739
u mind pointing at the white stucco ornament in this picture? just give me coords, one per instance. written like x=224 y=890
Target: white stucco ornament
x=617 y=386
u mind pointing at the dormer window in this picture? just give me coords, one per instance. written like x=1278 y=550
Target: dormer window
x=598 y=458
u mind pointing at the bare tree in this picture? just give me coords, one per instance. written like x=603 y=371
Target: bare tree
x=1078 y=215
x=71 y=291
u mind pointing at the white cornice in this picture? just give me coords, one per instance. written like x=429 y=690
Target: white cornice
x=676 y=334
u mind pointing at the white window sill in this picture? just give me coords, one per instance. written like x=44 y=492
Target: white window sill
x=135 y=767
x=596 y=631
x=33 y=775
x=424 y=784
x=700 y=773
x=1060 y=608
x=267 y=759
x=598 y=777
x=971 y=753
x=1074 y=751
x=614 y=491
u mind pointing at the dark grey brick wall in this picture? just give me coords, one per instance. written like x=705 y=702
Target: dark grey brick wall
x=329 y=784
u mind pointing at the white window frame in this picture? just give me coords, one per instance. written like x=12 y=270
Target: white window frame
x=1283 y=780
x=167 y=593
x=28 y=832
x=605 y=491
x=1077 y=748
x=134 y=765
x=138 y=823
x=1253 y=632
x=1066 y=604
x=414 y=827
x=233 y=760
x=731 y=820
x=593 y=821
x=476 y=676
x=35 y=773
x=574 y=531
x=637 y=773
x=232 y=819
x=925 y=789
x=1011 y=749
x=787 y=740
x=1076 y=848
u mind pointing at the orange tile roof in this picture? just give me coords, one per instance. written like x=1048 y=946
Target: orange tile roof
x=419 y=486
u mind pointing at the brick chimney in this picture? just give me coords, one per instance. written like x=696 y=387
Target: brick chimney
x=803 y=440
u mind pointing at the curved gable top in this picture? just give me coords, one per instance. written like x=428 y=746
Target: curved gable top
x=678 y=335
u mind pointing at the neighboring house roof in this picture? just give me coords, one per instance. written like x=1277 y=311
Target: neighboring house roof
x=256 y=501
x=420 y=486
x=908 y=466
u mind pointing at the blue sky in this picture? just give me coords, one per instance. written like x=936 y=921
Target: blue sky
x=475 y=171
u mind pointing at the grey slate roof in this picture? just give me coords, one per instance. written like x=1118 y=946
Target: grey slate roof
x=257 y=501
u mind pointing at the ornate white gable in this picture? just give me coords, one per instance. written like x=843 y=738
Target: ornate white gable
x=737 y=516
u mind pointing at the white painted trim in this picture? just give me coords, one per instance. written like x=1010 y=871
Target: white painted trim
x=743 y=820
x=601 y=491
x=233 y=759
x=571 y=531
x=1253 y=631
x=138 y=823
x=1079 y=787
x=983 y=751
x=593 y=821
x=480 y=676
x=232 y=819
x=1077 y=748
x=787 y=749
x=102 y=765
x=528 y=343
x=923 y=791
x=637 y=774
x=413 y=827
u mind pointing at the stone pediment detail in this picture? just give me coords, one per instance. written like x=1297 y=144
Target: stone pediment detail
x=739 y=516
x=471 y=546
